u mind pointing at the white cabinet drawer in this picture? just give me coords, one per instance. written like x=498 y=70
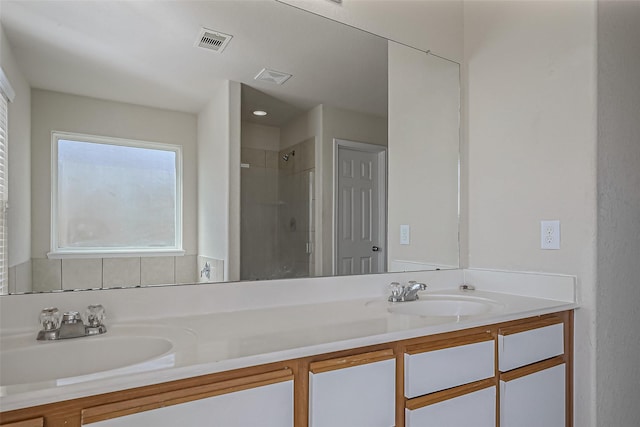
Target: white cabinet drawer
x=529 y=346
x=534 y=400
x=476 y=409
x=435 y=370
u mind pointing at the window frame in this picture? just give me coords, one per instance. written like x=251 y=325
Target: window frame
x=106 y=252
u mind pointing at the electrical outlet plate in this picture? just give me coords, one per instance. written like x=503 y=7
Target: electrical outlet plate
x=405 y=234
x=550 y=234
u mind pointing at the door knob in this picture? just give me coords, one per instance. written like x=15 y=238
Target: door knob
x=375 y=249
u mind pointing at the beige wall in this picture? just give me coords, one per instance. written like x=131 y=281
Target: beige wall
x=424 y=103
x=70 y=113
x=19 y=152
x=219 y=179
x=425 y=24
x=618 y=295
x=531 y=150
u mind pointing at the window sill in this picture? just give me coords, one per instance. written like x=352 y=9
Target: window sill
x=114 y=254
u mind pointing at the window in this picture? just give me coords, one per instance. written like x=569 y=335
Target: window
x=7 y=94
x=115 y=196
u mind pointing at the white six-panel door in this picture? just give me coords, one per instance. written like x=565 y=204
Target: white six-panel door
x=359 y=211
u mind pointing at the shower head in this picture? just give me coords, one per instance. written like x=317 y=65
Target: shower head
x=285 y=157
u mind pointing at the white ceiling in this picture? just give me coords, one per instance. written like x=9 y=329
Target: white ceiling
x=143 y=52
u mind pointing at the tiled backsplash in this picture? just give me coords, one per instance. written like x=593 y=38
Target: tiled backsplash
x=40 y=275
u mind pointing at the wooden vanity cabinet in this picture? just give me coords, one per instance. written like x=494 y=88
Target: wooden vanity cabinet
x=511 y=374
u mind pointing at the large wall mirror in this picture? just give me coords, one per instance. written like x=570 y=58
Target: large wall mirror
x=221 y=141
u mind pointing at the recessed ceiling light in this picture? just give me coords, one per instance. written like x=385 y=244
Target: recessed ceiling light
x=259 y=113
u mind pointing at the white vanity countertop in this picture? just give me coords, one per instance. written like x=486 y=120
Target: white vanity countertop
x=222 y=341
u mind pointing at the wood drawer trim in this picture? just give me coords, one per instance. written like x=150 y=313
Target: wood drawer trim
x=36 y=422
x=441 y=396
x=448 y=343
x=160 y=400
x=531 y=369
x=529 y=326
x=350 y=361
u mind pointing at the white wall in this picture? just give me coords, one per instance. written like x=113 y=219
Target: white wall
x=219 y=178
x=70 y=113
x=424 y=102
x=434 y=25
x=618 y=331
x=19 y=152
x=531 y=148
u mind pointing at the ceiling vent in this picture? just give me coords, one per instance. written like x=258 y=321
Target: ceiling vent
x=212 y=40
x=272 y=76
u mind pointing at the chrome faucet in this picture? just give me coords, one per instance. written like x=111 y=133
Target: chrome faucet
x=70 y=325
x=401 y=293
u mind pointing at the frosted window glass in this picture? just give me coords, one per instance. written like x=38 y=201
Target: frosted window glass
x=115 y=196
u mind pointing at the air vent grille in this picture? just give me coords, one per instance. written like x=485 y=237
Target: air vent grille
x=213 y=40
x=272 y=76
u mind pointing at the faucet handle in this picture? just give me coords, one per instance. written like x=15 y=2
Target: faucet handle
x=50 y=318
x=95 y=315
x=396 y=289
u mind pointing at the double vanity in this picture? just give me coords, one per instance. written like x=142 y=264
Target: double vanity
x=321 y=352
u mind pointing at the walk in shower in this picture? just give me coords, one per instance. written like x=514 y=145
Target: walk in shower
x=277 y=204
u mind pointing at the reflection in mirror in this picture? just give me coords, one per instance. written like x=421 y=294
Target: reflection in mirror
x=260 y=195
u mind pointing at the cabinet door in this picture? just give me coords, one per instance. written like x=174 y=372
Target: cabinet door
x=355 y=396
x=476 y=409
x=265 y=406
x=534 y=400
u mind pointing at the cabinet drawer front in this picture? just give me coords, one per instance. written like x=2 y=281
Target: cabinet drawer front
x=534 y=400
x=36 y=422
x=524 y=348
x=449 y=367
x=477 y=409
x=356 y=396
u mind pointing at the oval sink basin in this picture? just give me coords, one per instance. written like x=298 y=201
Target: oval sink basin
x=444 y=306
x=83 y=359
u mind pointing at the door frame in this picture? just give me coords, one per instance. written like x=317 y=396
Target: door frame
x=381 y=151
